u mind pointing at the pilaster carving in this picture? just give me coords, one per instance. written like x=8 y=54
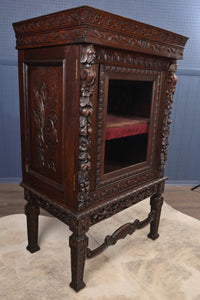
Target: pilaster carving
x=171 y=85
x=87 y=77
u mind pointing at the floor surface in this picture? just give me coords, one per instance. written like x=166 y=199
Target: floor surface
x=179 y=197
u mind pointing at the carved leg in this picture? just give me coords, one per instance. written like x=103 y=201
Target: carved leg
x=78 y=243
x=156 y=205
x=78 y=246
x=32 y=212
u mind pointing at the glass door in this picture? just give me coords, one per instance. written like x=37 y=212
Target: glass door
x=127 y=123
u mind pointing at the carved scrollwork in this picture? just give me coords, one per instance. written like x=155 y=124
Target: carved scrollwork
x=121 y=233
x=116 y=56
x=171 y=85
x=120 y=203
x=87 y=76
x=45 y=119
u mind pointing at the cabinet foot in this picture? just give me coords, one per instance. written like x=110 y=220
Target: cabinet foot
x=32 y=212
x=156 y=205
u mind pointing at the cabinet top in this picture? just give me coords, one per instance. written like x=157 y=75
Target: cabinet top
x=90 y=25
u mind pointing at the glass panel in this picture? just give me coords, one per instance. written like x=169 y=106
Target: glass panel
x=127 y=123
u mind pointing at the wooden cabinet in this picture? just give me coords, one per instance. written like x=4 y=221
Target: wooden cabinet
x=96 y=91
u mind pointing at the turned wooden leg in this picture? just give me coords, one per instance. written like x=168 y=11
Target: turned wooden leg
x=32 y=211
x=156 y=205
x=78 y=246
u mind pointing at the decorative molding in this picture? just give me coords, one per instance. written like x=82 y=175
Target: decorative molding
x=45 y=119
x=97 y=24
x=170 y=90
x=120 y=203
x=121 y=233
x=53 y=208
x=113 y=189
x=50 y=38
x=87 y=76
x=133 y=42
x=116 y=56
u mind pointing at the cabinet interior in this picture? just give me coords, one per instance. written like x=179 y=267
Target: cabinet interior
x=127 y=123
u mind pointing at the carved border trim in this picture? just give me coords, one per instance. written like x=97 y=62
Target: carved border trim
x=133 y=43
x=87 y=76
x=124 y=201
x=116 y=56
x=129 y=31
x=97 y=36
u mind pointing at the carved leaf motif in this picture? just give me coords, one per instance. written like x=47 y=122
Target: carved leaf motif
x=87 y=76
x=171 y=85
x=45 y=119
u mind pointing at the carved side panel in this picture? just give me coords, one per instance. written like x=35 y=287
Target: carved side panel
x=170 y=90
x=87 y=77
x=44 y=120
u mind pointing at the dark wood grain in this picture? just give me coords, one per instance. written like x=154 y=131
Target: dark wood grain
x=66 y=61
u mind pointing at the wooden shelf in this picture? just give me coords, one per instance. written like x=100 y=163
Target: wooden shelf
x=118 y=126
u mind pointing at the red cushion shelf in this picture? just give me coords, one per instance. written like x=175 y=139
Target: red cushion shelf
x=118 y=127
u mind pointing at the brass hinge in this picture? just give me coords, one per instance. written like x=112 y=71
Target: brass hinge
x=76 y=71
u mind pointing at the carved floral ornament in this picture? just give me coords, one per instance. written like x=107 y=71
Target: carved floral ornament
x=45 y=119
x=97 y=19
x=170 y=90
x=87 y=76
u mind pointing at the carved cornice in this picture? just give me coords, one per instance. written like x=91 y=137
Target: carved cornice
x=90 y=25
x=134 y=43
x=87 y=76
x=170 y=90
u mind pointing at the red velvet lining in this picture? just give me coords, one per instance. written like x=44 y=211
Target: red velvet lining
x=118 y=127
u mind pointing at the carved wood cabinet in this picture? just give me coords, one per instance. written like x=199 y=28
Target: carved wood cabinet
x=96 y=91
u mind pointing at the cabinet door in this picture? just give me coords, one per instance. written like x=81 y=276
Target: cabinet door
x=128 y=113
